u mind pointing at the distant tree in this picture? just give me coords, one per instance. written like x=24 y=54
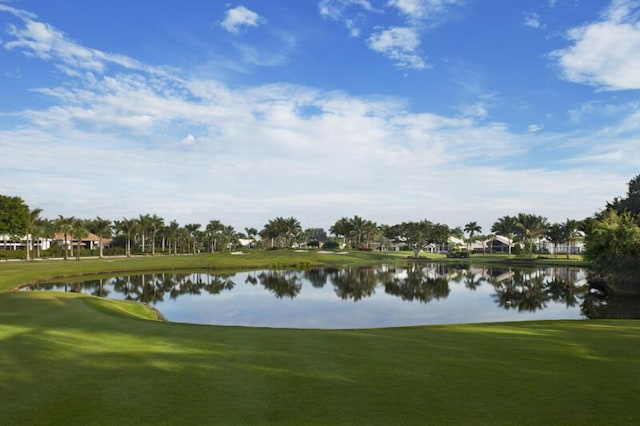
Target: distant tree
x=64 y=225
x=156 y=223
x=212 y=231
x=102 y=228
x=34 y=216
x=80 y=231
x=531 y=227
x=342 y=228
x=630 y=203
x=472 y=228
x=14 y=217
x=418 y=235
x=172 y=236
x=192 y=230
x=556 y=235
x=42 y=229
x=571 y=232
x=128 y=227
x=507 y=226
x=144 y=227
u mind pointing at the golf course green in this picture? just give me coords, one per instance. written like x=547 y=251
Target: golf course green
x=77 y=359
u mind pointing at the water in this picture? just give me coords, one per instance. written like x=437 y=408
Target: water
x=330 y=298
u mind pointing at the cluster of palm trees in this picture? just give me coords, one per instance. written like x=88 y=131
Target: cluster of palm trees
x=148 y=233
x=357 y=232
x=530 y=228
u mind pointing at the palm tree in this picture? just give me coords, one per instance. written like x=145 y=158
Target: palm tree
x=291 y=229
x=34 y=216
x=556 y=234
x=342 y=228
x=80 y=231
x=531 y=227
x=571 y=234
x=472 y=228
x=102 y=228
x=144 y=226
x=507 y=226
x=42 y=229
x=128 y=228
x=155 y=224
x=212 y=229
x=192 y=229
x=172 y=233
x=64 y=225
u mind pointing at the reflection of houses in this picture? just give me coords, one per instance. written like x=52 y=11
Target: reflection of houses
x=90 y=241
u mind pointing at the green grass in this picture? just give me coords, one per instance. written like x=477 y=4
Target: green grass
x=75 y=359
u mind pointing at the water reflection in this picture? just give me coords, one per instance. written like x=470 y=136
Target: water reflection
x=540 y=293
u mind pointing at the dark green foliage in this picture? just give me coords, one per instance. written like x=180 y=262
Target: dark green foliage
x=14 y=216
x=630 y=203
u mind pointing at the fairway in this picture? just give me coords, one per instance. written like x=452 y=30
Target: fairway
x=72 y=359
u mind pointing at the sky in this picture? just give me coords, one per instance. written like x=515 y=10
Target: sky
x=393 y=110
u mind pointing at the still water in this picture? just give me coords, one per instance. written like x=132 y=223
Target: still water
x=330 y=298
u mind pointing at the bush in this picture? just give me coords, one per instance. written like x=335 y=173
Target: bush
x=331 y=244
x=458 y=254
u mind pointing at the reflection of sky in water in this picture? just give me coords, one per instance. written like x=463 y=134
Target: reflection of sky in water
x=253 y=305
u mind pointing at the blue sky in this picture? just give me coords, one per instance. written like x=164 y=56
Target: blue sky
x=395 y=110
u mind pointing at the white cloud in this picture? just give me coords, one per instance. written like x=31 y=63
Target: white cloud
x=349 y=12
x=422 y=9
x=400 y=45
x=605 y=54
x=532 y=20
x=239 y=17
x=535 y=128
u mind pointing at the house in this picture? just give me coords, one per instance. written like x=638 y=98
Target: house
x=499 y=244
x=90 y=241
x=8 y=242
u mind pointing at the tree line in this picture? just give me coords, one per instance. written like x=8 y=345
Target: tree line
x=609 y=234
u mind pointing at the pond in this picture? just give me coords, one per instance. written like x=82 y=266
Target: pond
x=365 y=297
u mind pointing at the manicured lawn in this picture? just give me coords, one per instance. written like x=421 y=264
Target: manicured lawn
x=74 y=359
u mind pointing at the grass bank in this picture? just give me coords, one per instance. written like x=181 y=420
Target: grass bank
x=75 y=359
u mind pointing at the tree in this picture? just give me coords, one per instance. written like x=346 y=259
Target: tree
x=102 y=228
x=144 y=226
x=571 y=233
x=418 y=235
x=212 y=230
x=128 y=227
x=64 y=225
x=281 y=231
x=556 y=235
x=613 y=246
x=34 y=216
x=172 y=235
x=192 y=230
x=531 y=227
x=156 y=223
x=472 y=228
x=342 y=228
x=43 y=228
x=630 y=203
x=14 y=217
x=507 y=226
x=80 y=231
